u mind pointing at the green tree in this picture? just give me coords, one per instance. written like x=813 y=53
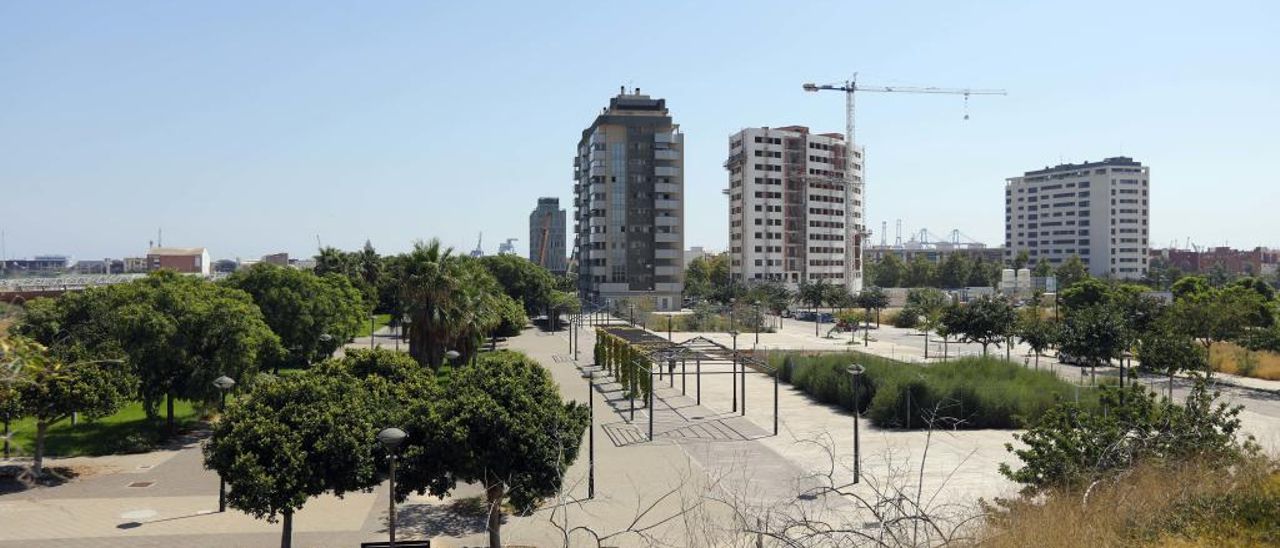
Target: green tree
x=954 y=271
x=983 y=273
x=1217 y=314
x=920 y=273
x=1190 y=286
x=1021 y=260
x=430 y=288
x=564 y=302
x=1257 y=285
x=1097 y=333
x=697 y=279
x=1036 y=332
x=985 y=320
x=889 y=272
x=1218 y=275
x=1165 y=350
x=312 y=315
x=332 y=260
x=873 y=298
x=294 y=439
x=1085 y=293
x=928 y=304
x=178 y=333
x=1071 y=447
x=51 y=385
x=1071 y=271
x=522 y=280
x=1043 y=270
x=368 y=270
x=503 y=426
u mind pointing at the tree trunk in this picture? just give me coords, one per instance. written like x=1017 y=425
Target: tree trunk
x=984 y=349
x=494 y=495
x=168 y=420
x=286 y=534
x=926 y=344
x=37 y=463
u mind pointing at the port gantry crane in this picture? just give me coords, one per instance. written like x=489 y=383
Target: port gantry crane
x=850 y=87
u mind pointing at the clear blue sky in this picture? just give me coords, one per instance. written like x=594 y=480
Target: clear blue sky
x=251 y=127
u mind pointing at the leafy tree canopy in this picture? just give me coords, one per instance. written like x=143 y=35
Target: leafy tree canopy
x=312 y=315
x=985 y=320
x=504 y=426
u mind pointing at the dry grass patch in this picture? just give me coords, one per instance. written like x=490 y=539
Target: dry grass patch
x=1233 y=359
x=1154 y=505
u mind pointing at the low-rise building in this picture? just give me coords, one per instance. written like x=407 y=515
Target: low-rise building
x=1253 y=262
x=278 y=259
x=188 y=260
x=41 y=265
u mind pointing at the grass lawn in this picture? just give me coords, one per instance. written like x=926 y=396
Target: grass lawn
x=380 y=321
x=127 y=431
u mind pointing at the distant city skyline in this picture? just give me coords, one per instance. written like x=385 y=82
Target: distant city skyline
x=251 y=129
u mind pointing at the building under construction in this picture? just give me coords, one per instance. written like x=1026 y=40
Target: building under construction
x=547 y=236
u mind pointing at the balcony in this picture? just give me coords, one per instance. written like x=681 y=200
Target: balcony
x=666 y=154
x=666 y=171
x=666 y=187
x=667 y=204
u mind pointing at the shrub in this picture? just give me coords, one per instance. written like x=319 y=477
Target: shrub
x=907 y=318
x=967 y=393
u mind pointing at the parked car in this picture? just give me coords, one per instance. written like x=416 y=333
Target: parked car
x=806 y=315
x=1068 y=359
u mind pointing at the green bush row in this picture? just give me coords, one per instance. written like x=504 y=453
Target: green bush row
x=967 y=393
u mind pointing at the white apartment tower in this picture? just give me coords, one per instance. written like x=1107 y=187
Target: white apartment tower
x=629 y=204
x=1096 y=210
x=793 y=213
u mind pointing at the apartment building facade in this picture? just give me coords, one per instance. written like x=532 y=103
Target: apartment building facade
x=1099 y=211
x=547 y=236
x=629 y=204
x=795 y=207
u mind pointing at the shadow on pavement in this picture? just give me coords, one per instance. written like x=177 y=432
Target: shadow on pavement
x=457 y=518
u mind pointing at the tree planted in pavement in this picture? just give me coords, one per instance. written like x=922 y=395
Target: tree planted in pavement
x=504 y=426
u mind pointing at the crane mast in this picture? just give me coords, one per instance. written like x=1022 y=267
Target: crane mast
x=850 y=88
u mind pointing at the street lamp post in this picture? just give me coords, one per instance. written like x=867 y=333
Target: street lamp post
x=856 y=370
x=391 y=438
x=732 y=327
x=759 y=320
x=372 y=319
x=591 y=433
x=223 y=384
x=734 y=334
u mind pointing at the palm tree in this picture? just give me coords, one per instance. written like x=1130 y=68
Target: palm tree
x=431 y=294
x=332 y=260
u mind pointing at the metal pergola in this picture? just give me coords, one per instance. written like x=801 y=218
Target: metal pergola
x=706 y=356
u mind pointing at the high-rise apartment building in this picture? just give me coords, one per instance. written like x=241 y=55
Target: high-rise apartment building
x=547 y=236
x=795 y=207
x=1096 y=210
x=629 y=204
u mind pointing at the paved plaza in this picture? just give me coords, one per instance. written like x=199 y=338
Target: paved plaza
x=707 y=465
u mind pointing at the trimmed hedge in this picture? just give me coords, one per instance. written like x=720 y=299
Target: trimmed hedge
x=967 y=393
